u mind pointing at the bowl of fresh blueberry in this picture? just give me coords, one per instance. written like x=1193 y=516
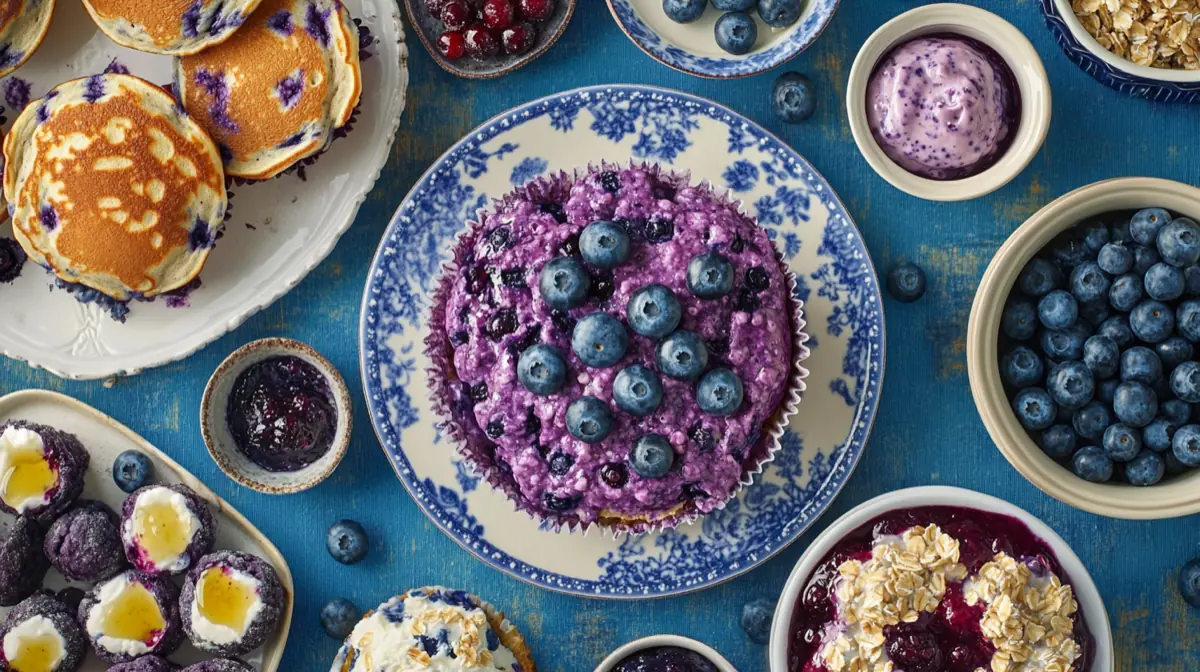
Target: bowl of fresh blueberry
x=1083 y=349
x=481 y=39
x=723 y=38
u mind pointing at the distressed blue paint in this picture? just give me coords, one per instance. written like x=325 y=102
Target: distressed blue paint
x=1097 y=133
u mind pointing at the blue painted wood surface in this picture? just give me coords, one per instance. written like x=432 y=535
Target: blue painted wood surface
x=927 y=432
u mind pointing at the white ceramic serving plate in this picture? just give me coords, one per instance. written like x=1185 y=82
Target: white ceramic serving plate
x=978 y=24
x=655 y=641
x=1091 y=605
x=105 y=439
x=280 y=229
x=1178 y=496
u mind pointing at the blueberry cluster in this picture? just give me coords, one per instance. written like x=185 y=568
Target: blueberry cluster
x=1100 y=339
x=736 y=31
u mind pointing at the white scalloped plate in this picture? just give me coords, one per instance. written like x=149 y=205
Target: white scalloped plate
x=280 y=230
x=105 y=439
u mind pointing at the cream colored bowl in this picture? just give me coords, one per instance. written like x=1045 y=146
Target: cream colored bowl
x=1178 y=496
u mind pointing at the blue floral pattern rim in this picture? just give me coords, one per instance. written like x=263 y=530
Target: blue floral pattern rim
x=1125 y=82
x=812 y=24
x=809 y=225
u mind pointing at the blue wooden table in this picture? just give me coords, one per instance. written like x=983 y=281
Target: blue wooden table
x=1096 y=134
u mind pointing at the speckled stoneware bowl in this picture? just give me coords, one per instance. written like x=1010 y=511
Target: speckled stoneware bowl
x=977 y=24
x=1178 y=496
x=428 y=27
x=656 y=641
x=1091 y=605
x=220 y=442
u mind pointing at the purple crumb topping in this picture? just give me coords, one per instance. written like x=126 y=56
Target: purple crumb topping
x=49 y=218
x=116 y=67
x=281 y=22
x=289 y=89
x=317 y=24
x=16 y=93
x=191 y=19
x=10 y=57
x=23 y=565
x=215 y=86
x=201 y=236
x=95 y=89
x=12 y=260
x=270 y=591
x=84 y=544
x=46 y=605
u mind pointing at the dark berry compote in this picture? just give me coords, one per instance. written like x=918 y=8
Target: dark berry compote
x=666 y=659
x=945 y=638
x=281 y=413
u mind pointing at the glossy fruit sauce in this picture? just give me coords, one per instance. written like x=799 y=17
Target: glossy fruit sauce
x=282 y=414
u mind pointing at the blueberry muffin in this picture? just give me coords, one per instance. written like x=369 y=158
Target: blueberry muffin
x=231 y=603
x=619 y=347
x=166 y=529
x=44 y=470
x=85 y=543
x=131 y=615
x=173 y=28
x=41 y=634
x=219 y=665
x=23 y=26
x=23 y=563
x=145 y=664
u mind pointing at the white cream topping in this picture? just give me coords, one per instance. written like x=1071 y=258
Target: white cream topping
x=19 y=444
x=135 y=526
x=218 y=633
x=102 y=611
x=36 y=627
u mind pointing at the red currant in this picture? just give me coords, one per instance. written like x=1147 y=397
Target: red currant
x=498 y=14
x=518 y=39
x=452 y=45
x=537 y=10
x=481 y=43
x=456 y=14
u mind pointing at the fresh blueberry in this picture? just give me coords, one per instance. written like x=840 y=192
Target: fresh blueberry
x=1174 y=466
x=1118 y=232
x=779 y=13
x=1071 y=385
x=1102 y=356
x=1125 y=292
x=559 y=503
x=1135 y=404
x=1163 y=282
x=653 y=311
x=1107 y=389
x=1117 y=329
x=1095 y=236
x=1068 y=251
x=1058 y=310
x=338 y=618
x=756 y=620
x=589 y=419
x=604 y=244
x=132 y=470
x=652 y=456
x=1089 y=283
x=599 y=340
x=1019 y=320
x=906 y=282
x=1186 y=445
x=719 y=392
x=1064 y=344
x=1145 y=469
x=1179 y=242
x=710 y=275
x=1115 y=259
x=1059 y=441
x=1092 y=464
x=1144 y=258
x=1158 y=434
x=793 y=97
x=1021 y=367
x=1175 y=410
x=1095 y=313
x=736 y=33
x=1189 y=583
x=1191 y=281
x=561 y=463
x=1034 y=408
x=564 y=283
x=637 y=390
x=1152 y=321
x=733 y=5
x=1122 y=442
x=684 y=11
x=1039 y=278
x=542 y=370
x=682 y=356
x=1185 y=382
x=347 y=542
x=1146 y=223
x=1140 y=364
x=1187 y=320
x=1174 y=351
x=1091 y=421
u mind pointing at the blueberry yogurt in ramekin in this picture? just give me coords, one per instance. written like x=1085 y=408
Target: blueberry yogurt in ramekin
x=231 y=603
x=166 y=529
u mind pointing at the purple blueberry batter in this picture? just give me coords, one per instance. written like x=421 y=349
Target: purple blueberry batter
x=943 y=107
x=491 y=311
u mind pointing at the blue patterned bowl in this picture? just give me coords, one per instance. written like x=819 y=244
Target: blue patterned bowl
x=810 y=227
x=1158 y=84
x=693 y=49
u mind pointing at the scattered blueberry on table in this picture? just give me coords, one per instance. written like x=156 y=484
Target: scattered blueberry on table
x=906 y=282
x=338 y=618
x=347 y=542
x=793 y=97
x=1189 y=583
x=132 y=470
x=756 y=619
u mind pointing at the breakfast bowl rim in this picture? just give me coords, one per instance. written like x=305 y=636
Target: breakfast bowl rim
x=1170 y=76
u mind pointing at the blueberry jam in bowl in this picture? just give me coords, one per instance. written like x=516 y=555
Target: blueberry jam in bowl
x=665 y=653
x=936 y=579
x=276 y=416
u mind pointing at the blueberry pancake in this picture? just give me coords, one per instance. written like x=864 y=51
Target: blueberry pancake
x=111 y=186
x=275 y=92
x=171 y=27
x=23 y=26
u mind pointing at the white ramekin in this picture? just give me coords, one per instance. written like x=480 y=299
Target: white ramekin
x=655 y=641
x=977 y=24
x=1090 y=603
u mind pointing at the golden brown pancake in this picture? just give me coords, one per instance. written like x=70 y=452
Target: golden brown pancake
x=23 y=26
x=172 y=27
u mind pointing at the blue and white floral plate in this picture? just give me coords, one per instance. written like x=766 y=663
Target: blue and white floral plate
x=809 y=224
x=692 y=47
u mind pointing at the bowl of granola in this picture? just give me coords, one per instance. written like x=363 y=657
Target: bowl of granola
x=939 y=578
x=1144 y=48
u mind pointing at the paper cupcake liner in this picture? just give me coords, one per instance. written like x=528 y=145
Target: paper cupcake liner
x=451 y=400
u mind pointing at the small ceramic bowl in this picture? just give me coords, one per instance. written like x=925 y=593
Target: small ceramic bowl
x=1178 y=496
x=429 y=27
x=1091 y=605
x=220 y=442
x=653 y=642
x=692 y=48
x=1157 y=84
x=977 y=24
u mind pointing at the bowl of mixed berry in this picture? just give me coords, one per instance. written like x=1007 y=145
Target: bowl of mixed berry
x=1084 y=349
x=479 y=39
